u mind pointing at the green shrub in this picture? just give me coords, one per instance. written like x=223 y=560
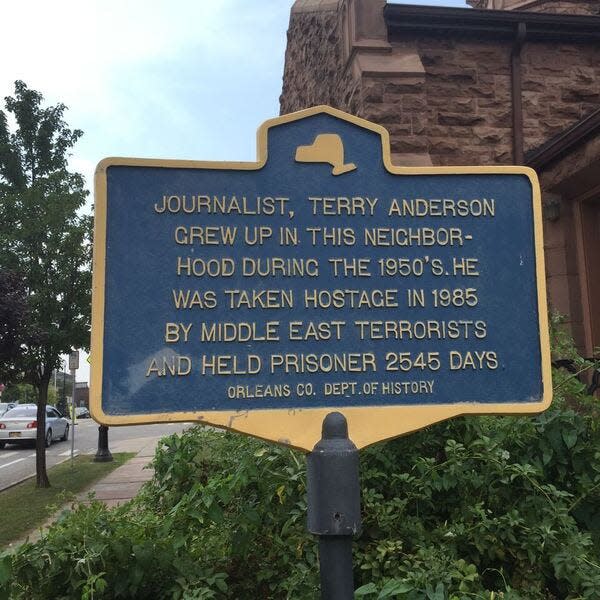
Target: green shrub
x=482 y=505
x=223 y=517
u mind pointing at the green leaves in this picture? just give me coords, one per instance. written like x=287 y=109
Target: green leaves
x=482 y=511
x=569 y=438
x=43 y=238
x=40 y=143
x=5 y=576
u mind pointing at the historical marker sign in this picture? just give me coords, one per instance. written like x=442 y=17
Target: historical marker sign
x=259 y=296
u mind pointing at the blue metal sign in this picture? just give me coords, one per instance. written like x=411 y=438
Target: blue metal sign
x=258 y=296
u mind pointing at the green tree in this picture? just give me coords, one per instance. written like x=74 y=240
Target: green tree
x=14 y=332
x=52 y=396
x=44 y=238
x=23 y=393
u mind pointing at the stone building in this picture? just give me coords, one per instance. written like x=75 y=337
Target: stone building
x=505 y=82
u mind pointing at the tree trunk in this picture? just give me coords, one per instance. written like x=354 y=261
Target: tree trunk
x=42 y=480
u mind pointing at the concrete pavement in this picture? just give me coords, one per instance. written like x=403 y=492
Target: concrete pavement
x=123 y=484
x=119 y=486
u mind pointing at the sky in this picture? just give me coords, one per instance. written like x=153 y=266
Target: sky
x=184 y=79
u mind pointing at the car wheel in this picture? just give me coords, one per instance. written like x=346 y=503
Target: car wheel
x=48 y=438
x=2 y=444
x=65 y=437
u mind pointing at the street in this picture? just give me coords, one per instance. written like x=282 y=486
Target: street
x=18 y=462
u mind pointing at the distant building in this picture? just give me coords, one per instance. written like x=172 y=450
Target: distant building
x=82 y=394
x=508 y=82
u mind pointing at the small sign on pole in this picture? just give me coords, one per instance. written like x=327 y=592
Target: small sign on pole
x=74 y=360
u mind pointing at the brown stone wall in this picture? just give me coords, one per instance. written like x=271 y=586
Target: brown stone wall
x=575 y=173
x=457 y=111
x=569 y=177
x=456 y=107
x=561 y=85
x=468 y=101
x=314 y=70
x=449 y=103
x=460 y=110
x=590 y=8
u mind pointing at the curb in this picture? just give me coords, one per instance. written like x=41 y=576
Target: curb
x=27 y=477
x=16 y=483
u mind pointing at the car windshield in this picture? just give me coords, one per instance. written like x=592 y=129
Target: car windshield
x=20 y=411
x=3 y=405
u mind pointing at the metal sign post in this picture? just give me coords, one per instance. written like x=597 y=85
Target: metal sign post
x=73 y=366
x=334 y=505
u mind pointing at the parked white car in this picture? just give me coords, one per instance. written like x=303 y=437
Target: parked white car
x=4 y=406
x=19 y=425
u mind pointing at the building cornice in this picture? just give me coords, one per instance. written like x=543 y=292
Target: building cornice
x=403 y=18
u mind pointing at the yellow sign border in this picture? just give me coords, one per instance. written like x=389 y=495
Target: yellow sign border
x=301 y=428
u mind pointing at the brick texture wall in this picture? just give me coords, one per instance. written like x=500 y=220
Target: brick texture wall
x=562 y=271
x=561 y=85
x=457 y=109
x=314 y=66
x=560 y=240
x=573 y=8
x=460 y=112
x=456 y=112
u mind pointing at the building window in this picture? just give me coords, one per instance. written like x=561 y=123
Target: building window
x=590 y=245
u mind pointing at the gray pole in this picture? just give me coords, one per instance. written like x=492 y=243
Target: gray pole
x=334 y=505
x=64 y=390
x=73 y=372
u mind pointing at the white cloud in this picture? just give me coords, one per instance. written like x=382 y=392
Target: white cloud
x=141 y=76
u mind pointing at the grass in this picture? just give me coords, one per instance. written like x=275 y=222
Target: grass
x=25 y=507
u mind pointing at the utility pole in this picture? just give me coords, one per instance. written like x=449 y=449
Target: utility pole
x=73 y=366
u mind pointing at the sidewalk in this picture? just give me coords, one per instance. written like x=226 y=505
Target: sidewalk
x=120 y=486
x=123 y=484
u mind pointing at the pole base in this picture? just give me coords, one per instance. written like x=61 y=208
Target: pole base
x=103 y=457
x=103 y=453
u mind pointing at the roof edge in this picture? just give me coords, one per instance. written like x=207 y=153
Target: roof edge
x=563 y=142
x=400 y=18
